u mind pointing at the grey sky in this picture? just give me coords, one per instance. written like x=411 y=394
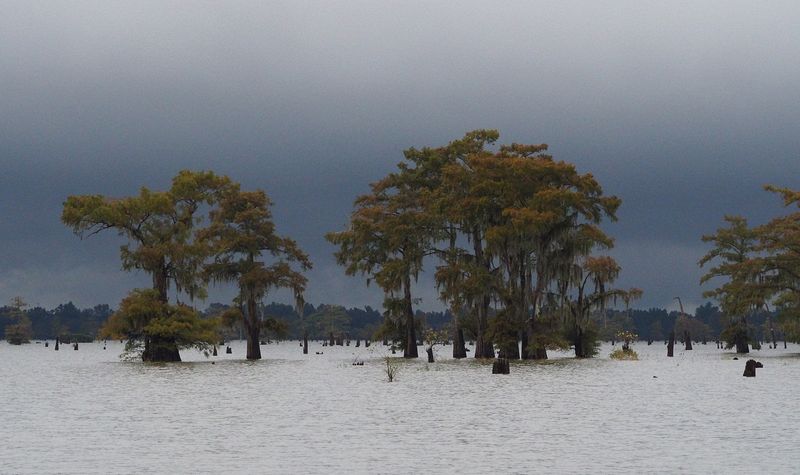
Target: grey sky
x=682 y=109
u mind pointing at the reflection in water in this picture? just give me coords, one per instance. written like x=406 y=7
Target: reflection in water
x=86 y=412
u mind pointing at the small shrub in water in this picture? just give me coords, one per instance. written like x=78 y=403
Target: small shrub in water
x=392 y=368
x=624 y=354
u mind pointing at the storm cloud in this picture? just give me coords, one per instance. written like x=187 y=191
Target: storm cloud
x=682 y=109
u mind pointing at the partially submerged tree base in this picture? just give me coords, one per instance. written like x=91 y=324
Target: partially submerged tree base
x=156 y=330
x=161 y=353
x=501 y=366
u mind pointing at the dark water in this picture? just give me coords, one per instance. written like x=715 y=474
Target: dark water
x=88 y=412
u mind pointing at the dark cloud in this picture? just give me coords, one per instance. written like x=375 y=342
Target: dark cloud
x=682 y=110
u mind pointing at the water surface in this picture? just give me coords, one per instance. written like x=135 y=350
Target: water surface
x=86 y=411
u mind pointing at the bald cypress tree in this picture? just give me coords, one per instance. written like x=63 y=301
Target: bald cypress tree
x=247 y=250
x=386 y=240
x=159 y=227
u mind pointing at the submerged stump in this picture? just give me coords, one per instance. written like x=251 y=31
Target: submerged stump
x=750 y=368
x=501 y=366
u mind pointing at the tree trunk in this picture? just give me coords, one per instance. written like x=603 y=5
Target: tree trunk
x=501 y=366
x=741 y=338
x=157 y=349
x=411 y=334
x=253 y=328
x=305 y=342
x=160 y=281
x=741 y=345
x=671 y=344
x=483 y=347
x=524 y=343
x=535 y=351
x=579 y=350
x=160 y=350
x=688 y=338
x=430 y=355
x=459 y=349
x=512 y=352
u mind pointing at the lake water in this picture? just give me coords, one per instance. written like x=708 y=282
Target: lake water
x=86 y=411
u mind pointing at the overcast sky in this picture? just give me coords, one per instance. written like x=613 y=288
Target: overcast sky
x=682 y=109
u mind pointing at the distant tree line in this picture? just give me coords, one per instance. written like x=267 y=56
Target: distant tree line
x=66 y=321
x=70 y=323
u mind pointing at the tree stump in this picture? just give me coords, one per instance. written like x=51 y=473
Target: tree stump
x=214 y=353
x=75 y=346
x=366 y=343
x=46 y=344
x=501 y=366
x=228 y=350
x=56 y=348
x=750 y=368
x=671 y=344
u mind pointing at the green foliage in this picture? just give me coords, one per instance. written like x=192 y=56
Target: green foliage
x=21 y=330
x=736 y=331
x=392 y=368
x=241 y=238
x=624 y=354
x=159 y=227
x=508 y=225
x=627 y=337
x=143 y=317
x=759 y=266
